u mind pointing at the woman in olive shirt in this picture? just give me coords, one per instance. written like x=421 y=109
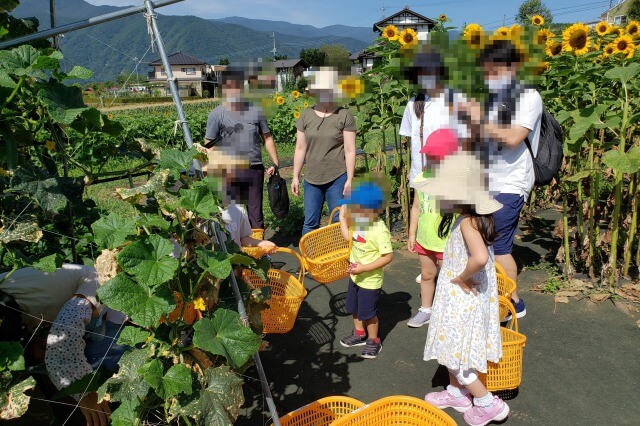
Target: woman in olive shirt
x=326 y=143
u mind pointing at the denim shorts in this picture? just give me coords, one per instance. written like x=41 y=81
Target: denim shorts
x=362 y=301
x=506 y=222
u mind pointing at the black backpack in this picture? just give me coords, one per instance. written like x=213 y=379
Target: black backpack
x=548 y=159
x=278 y=195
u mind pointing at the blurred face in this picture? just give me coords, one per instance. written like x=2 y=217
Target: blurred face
x=232 y=89
x=362 y=217
x=323 y=96
x=498 y=76
x=429 y=81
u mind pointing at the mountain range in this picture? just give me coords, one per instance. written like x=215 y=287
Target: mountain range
x=116 y=47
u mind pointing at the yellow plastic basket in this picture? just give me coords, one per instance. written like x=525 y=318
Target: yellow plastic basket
x=396 y=410
x=322 y=412
x=287 y=294
x=255 y=252
x=326 y=253
x=506 y=286
x=507 y=374
x=500 y=269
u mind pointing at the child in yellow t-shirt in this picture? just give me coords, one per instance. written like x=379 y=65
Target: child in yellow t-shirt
x=424 y=223
x=371 y=251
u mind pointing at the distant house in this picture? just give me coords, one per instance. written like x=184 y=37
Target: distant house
x=407 y=18
x=618 y=13
x=404 y=19
x=287 y=69
x=192 y=75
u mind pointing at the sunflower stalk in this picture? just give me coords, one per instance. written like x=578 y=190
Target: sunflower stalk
x=628 y=247
x=619 y=175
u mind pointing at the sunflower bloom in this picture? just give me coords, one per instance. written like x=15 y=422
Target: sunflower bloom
x=553 y=48
x=408 y=37
x=351 y=87
x=305 y=104
x=280 y=100
x=110 y=116
x=616 y=31
x=296 y=114
x=502 y=31
x=199 y=304
x=624 y=45
x=474 y=35
x=537 y=20
x=603 y=28
x=609 y=50
x=50 y=145
x=295 y=94
x=633 y=29
x=443 y=18
x=576 y=39
x=390 y=32
x=516 y=31
x=543 y=36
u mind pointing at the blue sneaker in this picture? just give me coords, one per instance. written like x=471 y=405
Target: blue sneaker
x=519 y=308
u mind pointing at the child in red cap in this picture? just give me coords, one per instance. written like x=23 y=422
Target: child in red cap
x=424 y=221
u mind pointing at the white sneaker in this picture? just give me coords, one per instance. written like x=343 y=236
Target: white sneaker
x=419 y=279
x=421 y=318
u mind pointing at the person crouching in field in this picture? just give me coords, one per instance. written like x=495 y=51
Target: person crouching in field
x=371 y=251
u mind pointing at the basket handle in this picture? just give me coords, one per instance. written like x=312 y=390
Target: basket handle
x=303 y=265
x=513 y=324
x=333 y=212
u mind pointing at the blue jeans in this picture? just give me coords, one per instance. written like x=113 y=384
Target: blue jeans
x=314 y=198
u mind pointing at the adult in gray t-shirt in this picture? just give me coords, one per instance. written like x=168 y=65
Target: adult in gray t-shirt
x=238 y=127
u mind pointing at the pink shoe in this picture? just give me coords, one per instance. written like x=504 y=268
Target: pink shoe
x=480 y=416
x=444 y=399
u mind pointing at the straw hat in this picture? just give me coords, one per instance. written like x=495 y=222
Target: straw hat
x=223 y=160
x=324 y=79
x=460 y=178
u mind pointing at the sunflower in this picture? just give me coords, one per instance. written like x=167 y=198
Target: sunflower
x=110 y=116
x=50 y=145
x=537 y=20
x=296 y=114
x=609 y=50
x=576 y=39
x=516 y=31
x=616 y=31
x=280 y=100
x=603 y=28
x=390 y=32
x=543 y=36
x=624 y=45
x=474 y=35
x=305 y=104
x=633 y=29
x=408 y=37
x=443 y=18
x=352 y=86
x=502 y=31
x=295 y=94
x=553 y=48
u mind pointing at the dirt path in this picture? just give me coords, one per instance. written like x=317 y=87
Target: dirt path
x=155 y=104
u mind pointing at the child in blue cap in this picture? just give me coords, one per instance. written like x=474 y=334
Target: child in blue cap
x=371 y=251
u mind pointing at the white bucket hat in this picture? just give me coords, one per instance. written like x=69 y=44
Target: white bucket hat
x=324 y=79
x=460 y=179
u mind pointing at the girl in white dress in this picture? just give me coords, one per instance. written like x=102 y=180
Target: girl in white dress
x=465 y=329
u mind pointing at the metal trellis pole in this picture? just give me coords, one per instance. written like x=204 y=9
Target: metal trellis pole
x=152 y=20
x=48 y=33
x=245 y=319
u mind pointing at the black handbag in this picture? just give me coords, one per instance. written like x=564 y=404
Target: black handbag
x=278 y=195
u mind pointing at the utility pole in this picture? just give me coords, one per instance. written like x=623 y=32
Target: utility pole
x=274 y=50
x=504 y=20
x=383 y=9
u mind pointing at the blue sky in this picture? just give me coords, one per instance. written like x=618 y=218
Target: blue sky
x=320 y=13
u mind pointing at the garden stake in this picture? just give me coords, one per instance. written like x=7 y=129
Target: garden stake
x=245 y=320
x=628 y=247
